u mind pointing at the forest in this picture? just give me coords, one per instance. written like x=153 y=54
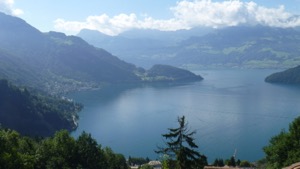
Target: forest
x=58 y=151
x=62 y=150
x=35 y=113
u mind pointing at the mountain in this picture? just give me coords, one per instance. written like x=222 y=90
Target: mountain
x=48 y=60
x=56 y=63
x=239 y=46
x=139 y=46
x=35 y=114
x=289 y=76
x=243 y=46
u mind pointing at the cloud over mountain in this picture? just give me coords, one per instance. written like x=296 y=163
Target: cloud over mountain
x=188 y=14
x=7 y=6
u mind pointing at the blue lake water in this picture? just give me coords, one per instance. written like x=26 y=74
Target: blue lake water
x=230 y=110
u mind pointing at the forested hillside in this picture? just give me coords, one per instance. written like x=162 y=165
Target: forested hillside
x=35 y=114
x=289 y=76
x=170 y=73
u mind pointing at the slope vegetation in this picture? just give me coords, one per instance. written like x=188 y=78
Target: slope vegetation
x=289 y=76
x=35 y=114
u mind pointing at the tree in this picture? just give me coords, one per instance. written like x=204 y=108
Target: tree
x=90 y=154
x=115 y=161
x=137 y=160
x=58 y=152
x=218 y=163
x=146 y=166
x=232 y=162
x=284 y=149
x=181 y=145
x=9 y=155
x=238 y=162
x=245 y=163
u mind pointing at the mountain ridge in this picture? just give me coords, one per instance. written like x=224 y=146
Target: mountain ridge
x=238 y=46
x=57 y=63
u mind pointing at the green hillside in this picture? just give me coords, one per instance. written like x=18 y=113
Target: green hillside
x=289 y=76
x=170 y=73
x=35 y=114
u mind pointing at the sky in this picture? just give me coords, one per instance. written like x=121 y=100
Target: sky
x=113 y=17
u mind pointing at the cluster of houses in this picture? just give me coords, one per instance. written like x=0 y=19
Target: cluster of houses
x=293 y=166
x=227 y=167
x=153 y=164
x=157 y=165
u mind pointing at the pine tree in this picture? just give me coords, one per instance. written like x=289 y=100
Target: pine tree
x=181 y=145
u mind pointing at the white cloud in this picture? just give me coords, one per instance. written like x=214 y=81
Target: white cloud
x=188 y=14
x=7 y=6
x=103 y=23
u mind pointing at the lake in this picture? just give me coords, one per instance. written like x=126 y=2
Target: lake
x=230 y=110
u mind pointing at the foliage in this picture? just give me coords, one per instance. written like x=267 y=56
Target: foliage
x=146 y=166
x=289 y=76
x=115 y=161
x=181 y=146
x=232 y=162
x=284 y=149
x=170 y=73
x=59 y=151
x=245 y=163
x=137 y=160
x=261 y=164
x=35 y=114
x=219 y=163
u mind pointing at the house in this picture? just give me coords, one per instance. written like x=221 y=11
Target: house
x=227 y=167
x=155 y=164
x=293 y=166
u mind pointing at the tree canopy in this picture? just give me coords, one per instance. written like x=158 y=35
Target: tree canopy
x=59 y=151
x=35 y=114
x=181 y=145
x=284 y=149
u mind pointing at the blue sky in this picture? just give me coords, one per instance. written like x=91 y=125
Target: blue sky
x=115 y=16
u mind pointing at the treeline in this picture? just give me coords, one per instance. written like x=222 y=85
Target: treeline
x=35 y=114
x=59 y=151
x=219 y=162
x=283 y=150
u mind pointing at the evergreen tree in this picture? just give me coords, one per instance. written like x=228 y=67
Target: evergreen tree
x=181 y=145
x=221 y=163
x=90 y=155
x=232 y=162
x=218 y=162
